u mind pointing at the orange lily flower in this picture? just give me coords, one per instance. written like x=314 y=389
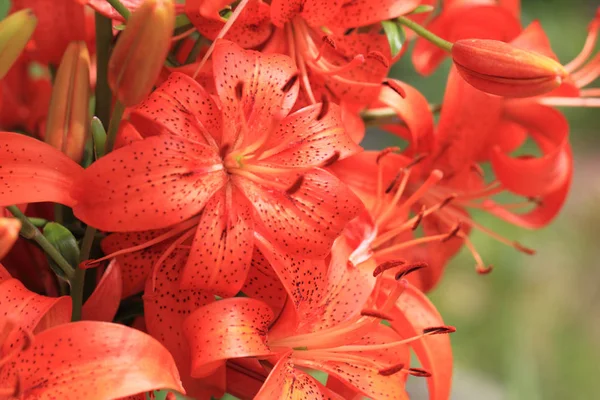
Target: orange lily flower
x=246 y=166
x=35 y=330
x=439 y=178
x=346 y=65
x=332 y=322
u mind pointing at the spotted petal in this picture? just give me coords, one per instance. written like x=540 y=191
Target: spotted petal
x=150 y=184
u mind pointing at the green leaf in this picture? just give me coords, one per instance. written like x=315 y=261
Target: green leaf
x=4 y=8
x=395 y=35
x=99 y=137
x=423 y=8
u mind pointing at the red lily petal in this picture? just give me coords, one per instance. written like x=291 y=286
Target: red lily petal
x=536 y=176
x=58 y=24
x=303 y=279
x=509 y=136
x=317 y=12
x=263 y=101
x=181 y=107
x=126 y=135
x=462 y=22
x=165 y=308
x=135 y=266
x=94 y=360
x=307 y=221
x=302 y=140
x=29 y=310
x=365 y=12
x=104 y=302
x=4 y=274
x=263 y=284
x=348 y=290
x=468 y=118
x=286 y=382
x=33 y=171
x=365 y=377
x=230 y=328
x=222 y=247
x=168 y=180
x=414 y=110
x=353 y=124
x=548 y=207
x=359 y=85
x=414 y=313
x=251 y=29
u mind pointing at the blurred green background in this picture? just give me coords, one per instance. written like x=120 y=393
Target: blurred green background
x=531 y=329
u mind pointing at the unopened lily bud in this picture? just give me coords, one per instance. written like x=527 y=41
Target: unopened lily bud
x=9 y=233
x=141 y=50
x=502 y=69
x=15 y=32
x=68 y=116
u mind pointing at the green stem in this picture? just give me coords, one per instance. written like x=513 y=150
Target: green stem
x=90 y=232
x=29 y=231
x=38 y=222
x=425 y=34
x=121 y=9
x=113 y=126
x=103 y=42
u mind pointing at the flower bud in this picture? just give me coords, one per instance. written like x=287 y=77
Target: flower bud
x=68 y=116
x=15 y=32
x=500 y=68
x=9 y=233
x=141 y=50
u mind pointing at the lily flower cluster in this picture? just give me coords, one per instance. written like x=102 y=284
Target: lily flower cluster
x=198 y=215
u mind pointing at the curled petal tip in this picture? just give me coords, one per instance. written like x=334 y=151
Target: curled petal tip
x=505 y=70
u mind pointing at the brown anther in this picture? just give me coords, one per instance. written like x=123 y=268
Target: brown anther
x=524 y=249
x=478 y=170
x=378 y=56
x=349 y=31
x=415 y=161
x=395 y=86
x=482 y=270
x=324 y=107
x=452 y=233
x=420 y=372
x=329 y=41
x=420 y=217
x=239 y=90
x=290 y=83
x=446 y=201
x=394 y=181
x=331 y=160
x=376 y=314
x=295 y=186
x=439 y=330
x=535 y=200
x=385 y=152
x=391 y=370
x=224 y=150
x=407 y=269
x=387 y=265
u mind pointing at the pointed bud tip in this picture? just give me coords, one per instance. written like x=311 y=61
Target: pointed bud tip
x=502 y=69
